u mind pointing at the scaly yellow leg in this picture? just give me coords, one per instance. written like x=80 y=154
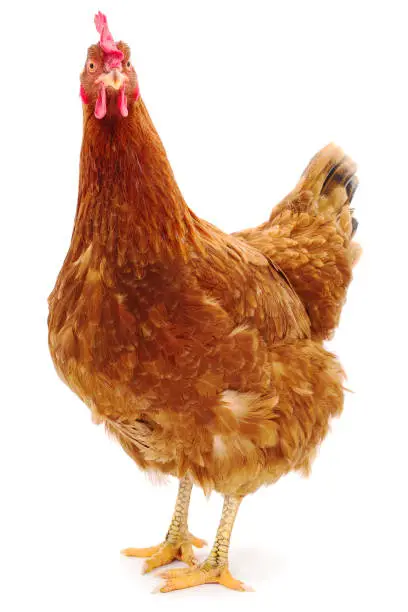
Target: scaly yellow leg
x=178 y=544
x=215 y=568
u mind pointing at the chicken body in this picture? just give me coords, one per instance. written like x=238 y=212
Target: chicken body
x=201 y=352
x=200 y=361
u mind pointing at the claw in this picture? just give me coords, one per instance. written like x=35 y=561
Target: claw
x=203 y=574
x=165 y=553
x=227 y=580
x=140 y=552
x=198 y=542
x=168 y=574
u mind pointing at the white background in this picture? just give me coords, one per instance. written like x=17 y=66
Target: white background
x=242 y=94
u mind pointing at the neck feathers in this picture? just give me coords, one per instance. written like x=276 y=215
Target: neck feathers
x=129 y=203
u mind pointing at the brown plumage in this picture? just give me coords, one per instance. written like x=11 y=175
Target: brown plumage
x=201 y=352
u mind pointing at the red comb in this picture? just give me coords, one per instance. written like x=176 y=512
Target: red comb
x=112 y=55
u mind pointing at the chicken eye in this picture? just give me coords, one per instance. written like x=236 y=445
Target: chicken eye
x=128 y=64
x=91 y=66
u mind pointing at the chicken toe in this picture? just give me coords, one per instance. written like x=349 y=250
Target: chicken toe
x=167 y=552
x=203 y=574
x=214 y=570
x=179 y=542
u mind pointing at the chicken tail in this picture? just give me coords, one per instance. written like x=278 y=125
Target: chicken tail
x=332 y=167
x=309 y=235
x=330 y=177
x=327 y=186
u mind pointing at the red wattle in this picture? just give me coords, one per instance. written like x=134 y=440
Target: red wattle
x=83 y=95
x=100 y=106
x=136 y=93
x=122 y=102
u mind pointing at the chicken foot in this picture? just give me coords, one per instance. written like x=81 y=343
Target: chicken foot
x=179 y=542
x=215 y=568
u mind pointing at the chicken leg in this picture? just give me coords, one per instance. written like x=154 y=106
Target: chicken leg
x=215 y=568
x=178 y=544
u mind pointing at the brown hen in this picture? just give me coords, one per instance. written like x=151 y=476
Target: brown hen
x=201 y=352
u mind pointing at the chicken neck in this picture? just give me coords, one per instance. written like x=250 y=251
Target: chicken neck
x=129 y=204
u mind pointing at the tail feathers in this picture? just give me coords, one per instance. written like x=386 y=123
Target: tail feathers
x=327 y=186
x=309 y=236
x=331 y=177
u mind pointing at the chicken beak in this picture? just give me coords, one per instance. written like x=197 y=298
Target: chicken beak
x=114 y=79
